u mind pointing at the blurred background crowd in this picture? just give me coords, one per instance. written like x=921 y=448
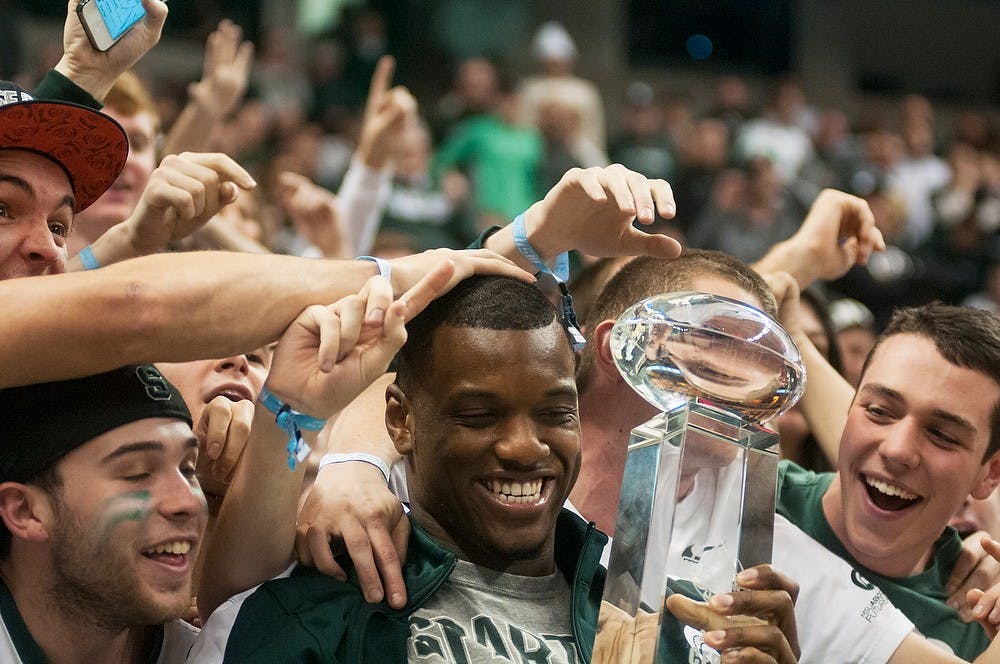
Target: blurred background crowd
x=748 y=110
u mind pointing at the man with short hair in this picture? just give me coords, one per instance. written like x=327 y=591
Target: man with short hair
x=495 y=566
x=476 y=428
x=921 y=435
x=603 y=464
x=103 y=519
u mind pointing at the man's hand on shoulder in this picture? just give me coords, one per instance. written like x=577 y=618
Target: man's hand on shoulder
x=350 y=510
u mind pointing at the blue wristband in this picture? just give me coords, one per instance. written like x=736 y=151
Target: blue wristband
x=292 y=422
x=384 y=266
x=87 y=258
x=560 y=274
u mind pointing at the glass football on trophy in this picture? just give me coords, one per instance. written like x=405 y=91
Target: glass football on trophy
x=698 y=492
x=724 y=352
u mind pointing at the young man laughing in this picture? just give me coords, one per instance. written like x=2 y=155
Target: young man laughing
x=484 y=414
x=921 y=436
x=102 y=518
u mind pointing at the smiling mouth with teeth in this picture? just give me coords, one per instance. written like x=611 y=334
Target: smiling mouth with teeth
x=179 y=548
x=507 y=491
x=887 y=496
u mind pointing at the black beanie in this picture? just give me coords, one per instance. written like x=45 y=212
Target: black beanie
x=41 y=423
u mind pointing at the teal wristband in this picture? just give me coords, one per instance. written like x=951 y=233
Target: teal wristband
x=561 y=272
x=292 y=422
x=560 y=275
x=88 y=259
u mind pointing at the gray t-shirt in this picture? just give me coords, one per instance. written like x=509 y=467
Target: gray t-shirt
x=481 y=616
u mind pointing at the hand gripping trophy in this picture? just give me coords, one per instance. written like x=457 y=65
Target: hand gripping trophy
x=698 y=493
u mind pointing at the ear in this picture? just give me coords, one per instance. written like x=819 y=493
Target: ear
x=27 y=511
x=603 y=361
x=989 y=478
x=398 y=420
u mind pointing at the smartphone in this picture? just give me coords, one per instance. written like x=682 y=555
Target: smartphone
x=105 y=21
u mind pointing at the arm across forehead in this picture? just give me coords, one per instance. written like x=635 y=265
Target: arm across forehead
x=186 y=306
x=174 y=307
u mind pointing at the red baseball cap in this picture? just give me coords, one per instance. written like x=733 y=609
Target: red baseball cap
x=89 y=146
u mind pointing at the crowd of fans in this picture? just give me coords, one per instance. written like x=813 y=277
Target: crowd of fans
x=147 y=499
x=742 y=173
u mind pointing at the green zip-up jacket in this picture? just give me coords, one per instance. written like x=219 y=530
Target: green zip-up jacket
x=309 y=617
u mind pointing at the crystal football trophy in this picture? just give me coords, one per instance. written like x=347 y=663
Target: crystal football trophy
x=698 y=493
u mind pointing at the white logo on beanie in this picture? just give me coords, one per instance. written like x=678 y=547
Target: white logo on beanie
x=13 y=96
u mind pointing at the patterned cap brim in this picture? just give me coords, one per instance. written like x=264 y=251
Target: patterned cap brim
x=90 y=146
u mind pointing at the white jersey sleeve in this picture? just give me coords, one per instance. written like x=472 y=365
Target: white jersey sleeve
x=839 y=613
x=210 y=646
x=178 y=637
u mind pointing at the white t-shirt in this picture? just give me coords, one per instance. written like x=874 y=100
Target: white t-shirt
x=210 y=647
x=833 y=613
x=178 y=637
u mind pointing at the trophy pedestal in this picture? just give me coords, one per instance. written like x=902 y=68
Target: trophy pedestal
x=696 y=508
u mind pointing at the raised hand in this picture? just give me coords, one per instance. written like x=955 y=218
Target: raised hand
x=838 y=232
x=331 y=353
x=313 y=211
x=226 y=71
x=183 y=193
x=95 y=71
x=592 y=210
x=385 y=116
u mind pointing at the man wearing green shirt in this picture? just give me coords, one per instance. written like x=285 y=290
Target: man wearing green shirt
x=501 y=158
x=922 y=433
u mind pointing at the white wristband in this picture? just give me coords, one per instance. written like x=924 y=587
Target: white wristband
x=357 y=456
x=384 y=266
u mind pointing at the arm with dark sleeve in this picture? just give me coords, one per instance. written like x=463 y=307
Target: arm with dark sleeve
x=57 y=87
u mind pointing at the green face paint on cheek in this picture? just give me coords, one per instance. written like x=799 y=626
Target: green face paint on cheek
x=129 y=506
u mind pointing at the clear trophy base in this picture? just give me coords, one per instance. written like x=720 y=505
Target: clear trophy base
x=696 y=508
